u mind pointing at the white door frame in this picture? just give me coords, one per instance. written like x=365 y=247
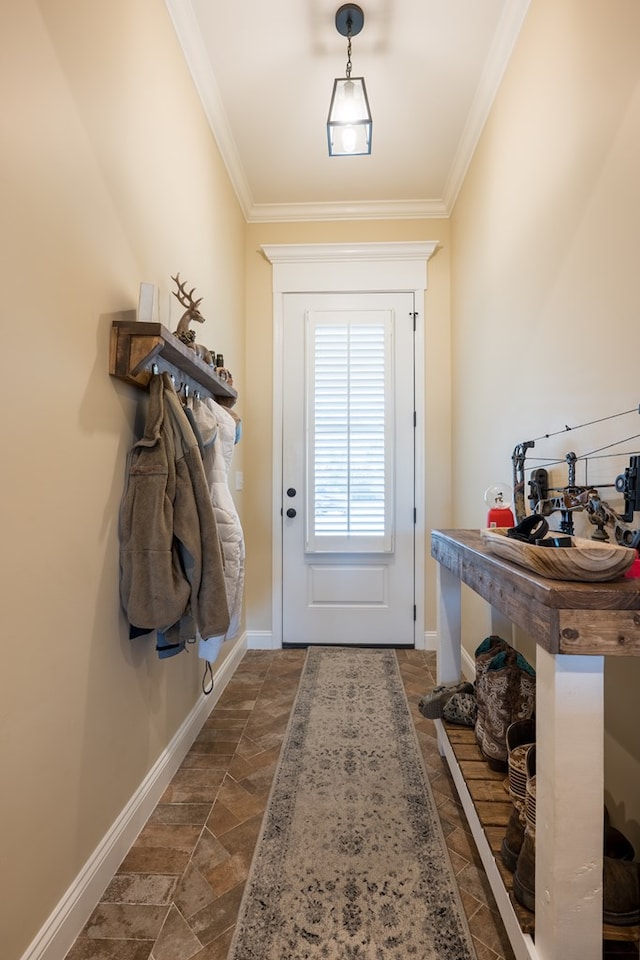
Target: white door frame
x=348 y=268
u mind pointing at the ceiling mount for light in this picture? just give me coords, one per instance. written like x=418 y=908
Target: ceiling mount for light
x=349 y=123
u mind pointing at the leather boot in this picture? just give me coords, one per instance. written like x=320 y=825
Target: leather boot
x=621 y=892
x=520 y=736
x=484 y=654
x=431 y=705
x=620 y=878
x=524 y=878
x=620 y=886
x=508 y=694
x=512 y=841
x=615 y=843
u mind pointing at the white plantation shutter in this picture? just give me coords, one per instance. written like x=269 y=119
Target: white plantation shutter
x=349 y=440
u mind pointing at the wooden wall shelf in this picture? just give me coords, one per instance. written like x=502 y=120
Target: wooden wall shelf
x=137 y=346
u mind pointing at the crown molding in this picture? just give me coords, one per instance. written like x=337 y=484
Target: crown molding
x=420 y=250
x=186 y=27
x=508 y=30
x=349 y=210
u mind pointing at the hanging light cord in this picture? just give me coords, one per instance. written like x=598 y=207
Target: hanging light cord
x=349 y=25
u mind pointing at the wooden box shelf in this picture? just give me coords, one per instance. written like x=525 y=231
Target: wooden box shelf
x=136 y=346
x=575 y=625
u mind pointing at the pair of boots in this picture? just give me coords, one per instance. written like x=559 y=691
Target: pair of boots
x=435 y=703
x=505 y=693
x=621 y=876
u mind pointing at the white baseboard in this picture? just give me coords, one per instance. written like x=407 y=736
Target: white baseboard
x=429 y=641
x=261 y=640
x=59 y=932
x=468 y=665
x=264 y=640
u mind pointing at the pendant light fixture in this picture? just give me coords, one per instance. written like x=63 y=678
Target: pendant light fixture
x=349 y=123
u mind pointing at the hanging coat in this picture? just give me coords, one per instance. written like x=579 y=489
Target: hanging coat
x=171 y=569
x=217 y=429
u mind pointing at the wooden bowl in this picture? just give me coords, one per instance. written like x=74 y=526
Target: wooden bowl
x=586 y=560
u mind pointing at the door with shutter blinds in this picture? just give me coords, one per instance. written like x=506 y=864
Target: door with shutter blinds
x=348 y=469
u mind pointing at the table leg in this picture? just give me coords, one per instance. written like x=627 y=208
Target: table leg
x=448 y=643
x=569 y=806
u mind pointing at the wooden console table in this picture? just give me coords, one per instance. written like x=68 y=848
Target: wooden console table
x=575 y=626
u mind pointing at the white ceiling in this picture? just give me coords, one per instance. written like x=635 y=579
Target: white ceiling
x=264 y=70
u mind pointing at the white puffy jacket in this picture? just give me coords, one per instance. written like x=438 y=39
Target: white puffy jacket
x=218 y=430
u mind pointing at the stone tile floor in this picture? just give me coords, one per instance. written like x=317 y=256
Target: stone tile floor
x=176 y=894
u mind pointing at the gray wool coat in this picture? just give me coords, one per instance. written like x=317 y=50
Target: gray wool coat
x=171 y=567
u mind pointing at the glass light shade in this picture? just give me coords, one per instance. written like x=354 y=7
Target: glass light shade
x=349 y=124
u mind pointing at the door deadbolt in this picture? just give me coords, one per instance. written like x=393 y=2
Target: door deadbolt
x=291 y=512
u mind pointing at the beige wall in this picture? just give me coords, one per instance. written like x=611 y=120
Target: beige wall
x=259 y=375
x=108 y=176
x=545 y=294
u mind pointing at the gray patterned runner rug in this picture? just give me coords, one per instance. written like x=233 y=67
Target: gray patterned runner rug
x=351 y=863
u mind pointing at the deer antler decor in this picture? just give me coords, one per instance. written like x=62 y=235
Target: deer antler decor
x=186 y=299
x=192 y=312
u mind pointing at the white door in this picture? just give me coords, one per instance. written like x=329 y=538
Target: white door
x=348 y=497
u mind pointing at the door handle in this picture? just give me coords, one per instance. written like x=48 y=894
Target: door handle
x=291 y=512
